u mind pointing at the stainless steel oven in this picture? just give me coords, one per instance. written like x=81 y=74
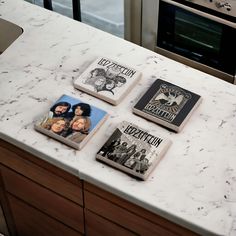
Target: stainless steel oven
x=199 y=33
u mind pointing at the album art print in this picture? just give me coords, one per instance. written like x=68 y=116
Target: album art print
x=167 y=104
x=107 y=79
x=71 y=121
x=133 y=150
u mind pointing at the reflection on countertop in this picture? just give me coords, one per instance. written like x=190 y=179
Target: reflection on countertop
x=9 y=33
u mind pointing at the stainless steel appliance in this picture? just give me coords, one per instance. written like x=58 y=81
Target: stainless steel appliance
x=199 y=33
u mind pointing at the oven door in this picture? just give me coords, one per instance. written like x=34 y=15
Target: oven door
x=197 y=38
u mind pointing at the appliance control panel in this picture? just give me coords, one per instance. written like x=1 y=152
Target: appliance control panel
x=227 y=7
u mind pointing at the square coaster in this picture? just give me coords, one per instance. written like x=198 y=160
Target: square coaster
x=133 y=150
x=71 y=121
x=108 y=80
x=167 y=104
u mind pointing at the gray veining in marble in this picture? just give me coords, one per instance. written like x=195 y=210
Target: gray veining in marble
x=195 y=183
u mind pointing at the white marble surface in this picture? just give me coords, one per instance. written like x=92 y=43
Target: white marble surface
x=195 y=183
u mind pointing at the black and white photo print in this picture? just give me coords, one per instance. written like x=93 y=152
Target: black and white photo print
x=108 y=80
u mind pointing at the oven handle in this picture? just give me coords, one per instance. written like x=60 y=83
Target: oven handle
x=201 y=13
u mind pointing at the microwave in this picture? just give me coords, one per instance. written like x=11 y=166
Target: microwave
x=198 y=33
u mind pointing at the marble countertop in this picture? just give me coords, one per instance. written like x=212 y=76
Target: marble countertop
x=195 y=183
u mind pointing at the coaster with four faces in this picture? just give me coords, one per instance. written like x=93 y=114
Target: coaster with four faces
x=71 y=121
x=108 y=80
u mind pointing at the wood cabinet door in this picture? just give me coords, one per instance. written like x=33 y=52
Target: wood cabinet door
x=42 y=172
x=45 y=200
x=31 y=222
x=128 y=215
x=40 y=199
x=3 y=224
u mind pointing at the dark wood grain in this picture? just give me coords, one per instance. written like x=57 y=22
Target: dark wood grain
x=31 y=222
x=96 y=225
x=43 y=199
x=129 y=215
x=41 y=172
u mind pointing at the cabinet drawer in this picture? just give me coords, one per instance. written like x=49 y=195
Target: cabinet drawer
x=43 y=199
x=96 y=225
x=128 y=215
x=123 y=217
x=41 y=172
x=30 y=221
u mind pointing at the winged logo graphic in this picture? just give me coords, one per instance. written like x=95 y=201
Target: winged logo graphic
x=170 y=99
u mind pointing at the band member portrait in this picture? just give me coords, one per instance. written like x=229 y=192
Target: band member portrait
x=109 y=149
x=99 y=83
x=118 y=151
x=80 y=109
x=59 y=109
x=79 y=128
x=98 y=72
x=94 y=75
x=119 y=80
x=129 y=152
x=58 y=125
x=109 y=86
x=140 y=162
x=111 y=73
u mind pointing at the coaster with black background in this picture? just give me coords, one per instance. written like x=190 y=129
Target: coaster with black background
x=167 y=104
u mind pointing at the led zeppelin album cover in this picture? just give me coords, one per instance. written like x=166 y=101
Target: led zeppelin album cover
x=133 y=150
x=167 y=104
x=108 y=80
x=71 y=121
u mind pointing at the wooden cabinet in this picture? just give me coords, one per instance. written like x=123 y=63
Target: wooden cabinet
x=100 y=226
x=30 y=221
x=119 y=215
x=40 y=199
x=43 y=199
x=3 y=224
